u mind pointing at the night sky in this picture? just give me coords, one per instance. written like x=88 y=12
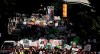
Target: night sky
x=25 y=6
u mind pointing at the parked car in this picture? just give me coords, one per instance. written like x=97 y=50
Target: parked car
x=7 y=47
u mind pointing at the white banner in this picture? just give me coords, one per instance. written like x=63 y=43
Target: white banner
x=50 y=12
x=56 y=42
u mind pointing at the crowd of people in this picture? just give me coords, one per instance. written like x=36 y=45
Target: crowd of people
x=48 y=50
x=62 y=31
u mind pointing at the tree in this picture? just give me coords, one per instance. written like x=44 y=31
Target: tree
x=57 y=7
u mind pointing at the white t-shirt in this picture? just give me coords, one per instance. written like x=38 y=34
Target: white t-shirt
x=40 y=52
x=75 y=50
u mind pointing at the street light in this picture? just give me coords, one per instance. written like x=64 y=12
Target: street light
x=41 y=5
x=44 y=8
